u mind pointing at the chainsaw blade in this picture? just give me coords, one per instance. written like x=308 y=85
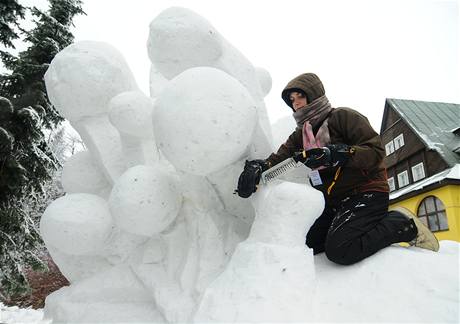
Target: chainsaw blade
x=278 y=170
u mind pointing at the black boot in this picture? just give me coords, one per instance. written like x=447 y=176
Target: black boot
x=405 y=227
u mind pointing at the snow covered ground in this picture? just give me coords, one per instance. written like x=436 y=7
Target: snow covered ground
x=374 y=284
x=21 y=315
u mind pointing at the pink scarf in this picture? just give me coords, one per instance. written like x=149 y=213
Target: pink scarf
x=310 y=141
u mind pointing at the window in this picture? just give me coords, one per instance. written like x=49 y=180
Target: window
x=389 y=148
x=391 y=183
x=418 y=172
x=395 y=144
x=403 y=179
x=399 y=141
x=433 y=214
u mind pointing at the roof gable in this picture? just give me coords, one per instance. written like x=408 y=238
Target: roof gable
x=433 y=122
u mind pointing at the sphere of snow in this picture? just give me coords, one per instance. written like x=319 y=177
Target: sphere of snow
x=180 y=39
x=84 y=76
x=77 y=224
x=81 y=174
x=204 y=120
x=131 y=113
x=270 y=225
x=265 y=80
x=144 y=200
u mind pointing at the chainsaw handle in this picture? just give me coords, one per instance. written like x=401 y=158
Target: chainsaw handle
x=300 y=156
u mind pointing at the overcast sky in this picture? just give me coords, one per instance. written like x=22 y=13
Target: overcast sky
x=364 y=51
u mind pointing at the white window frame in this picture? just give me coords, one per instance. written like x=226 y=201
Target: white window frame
x=399 y=141
x=403 y=179
x=416 y=169
x=389 y=147
x=391 y=183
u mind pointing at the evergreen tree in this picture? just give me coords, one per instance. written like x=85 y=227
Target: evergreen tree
x=10 y=12
x=26 y=161
x=25 y=85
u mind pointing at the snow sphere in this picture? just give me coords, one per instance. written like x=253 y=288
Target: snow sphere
x=204 y=120
x=77 y=224
x=144 y=200
x=285 y=224
x=131 y=113
x=81 y=174
x=180 y=39
x=84 y=76
x=265 y=80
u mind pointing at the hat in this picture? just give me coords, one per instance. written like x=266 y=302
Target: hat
x=308 y=84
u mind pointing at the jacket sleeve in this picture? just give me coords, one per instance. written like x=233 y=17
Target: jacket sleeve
x=357 y=132
x=287 y=150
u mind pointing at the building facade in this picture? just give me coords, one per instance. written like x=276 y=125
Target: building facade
x=422 y=144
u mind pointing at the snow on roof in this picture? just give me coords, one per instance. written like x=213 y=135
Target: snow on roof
x=452 y=173
x=433 y=123
x=456 y=129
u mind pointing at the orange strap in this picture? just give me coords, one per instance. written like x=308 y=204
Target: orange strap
x=336 y=176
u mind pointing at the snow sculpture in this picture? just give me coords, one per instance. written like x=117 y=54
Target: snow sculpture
x=78 y=224
x=266 y=266
x=131 y=114
x=140 y=193
x=82 y=95
x=82 y=174
x=171 y=221
x=176 y=33
x=212 y=116
x=150 y=230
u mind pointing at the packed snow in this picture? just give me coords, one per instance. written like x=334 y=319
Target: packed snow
x=15 y=314
x=270 y=282
x=150 y=230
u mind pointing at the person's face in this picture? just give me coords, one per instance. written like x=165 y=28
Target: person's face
x=298 y=100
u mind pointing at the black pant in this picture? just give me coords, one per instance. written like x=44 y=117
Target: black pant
x=357 y=227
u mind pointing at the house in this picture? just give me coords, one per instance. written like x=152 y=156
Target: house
x=422 y=144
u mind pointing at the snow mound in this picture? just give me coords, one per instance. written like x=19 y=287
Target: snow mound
x=21 y=315
x=396 y=284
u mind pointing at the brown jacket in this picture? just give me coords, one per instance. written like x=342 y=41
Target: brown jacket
x=363 y=172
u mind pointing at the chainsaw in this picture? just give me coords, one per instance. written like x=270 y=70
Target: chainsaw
x=283 y=167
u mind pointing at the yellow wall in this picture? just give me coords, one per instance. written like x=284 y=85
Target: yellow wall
x=450 y=197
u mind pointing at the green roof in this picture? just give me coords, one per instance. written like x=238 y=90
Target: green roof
x=434 y=123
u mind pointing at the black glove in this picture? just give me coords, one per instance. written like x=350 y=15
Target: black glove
x=330 y=156
x=250 y=177
x=300 y=156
